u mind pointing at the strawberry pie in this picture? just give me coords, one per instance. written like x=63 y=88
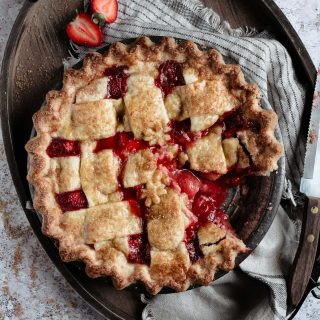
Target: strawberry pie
x=134 y=158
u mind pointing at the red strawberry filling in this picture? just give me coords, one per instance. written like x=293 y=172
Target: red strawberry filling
x=234 y=121
x=117 y=85
x=180 y=132
x=122 y=144
x=63 y=148
x=107 y=143
x=182 y=135
x=72 y=200
x=192 y=243
x=135 y=207
x=188 y=182
x=139 y=249
x=170 y=75
x=219 y=190
x=204 y=207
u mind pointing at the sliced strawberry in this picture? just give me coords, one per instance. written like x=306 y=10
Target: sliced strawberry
x=72 y=200
x=109 y=8
x=84 y=31
x=63 y=148
x=117 y=85
x=188 y=182
x=204 y=208
x=170 y=75
x=139 y=249
x=211 y=188
x=135 y=145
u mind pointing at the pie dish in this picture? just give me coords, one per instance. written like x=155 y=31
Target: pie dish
x=134 y=157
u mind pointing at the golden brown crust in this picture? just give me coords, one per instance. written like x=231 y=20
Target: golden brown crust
x=166 y=222
x=201 y=156
x=207 y=97
x=139 y=168
x=168 y=268
x=109 y=221
x=143 y=97
x=98 y=173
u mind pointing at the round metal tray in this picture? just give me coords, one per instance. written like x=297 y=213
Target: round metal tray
x=31 y=67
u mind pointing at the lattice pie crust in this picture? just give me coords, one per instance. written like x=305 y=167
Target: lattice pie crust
x=108 y=152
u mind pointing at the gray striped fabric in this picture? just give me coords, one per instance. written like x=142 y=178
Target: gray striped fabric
x=258 y=290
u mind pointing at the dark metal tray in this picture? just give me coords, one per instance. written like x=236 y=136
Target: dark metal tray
x=32 y=66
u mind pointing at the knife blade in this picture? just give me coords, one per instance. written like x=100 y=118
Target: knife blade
x=310 y=186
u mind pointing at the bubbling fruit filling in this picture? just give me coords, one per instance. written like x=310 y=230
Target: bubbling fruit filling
x=139 y=249
x=117 y=84
x=234 y=121
x=63 y=148
x=122 y=144
x=72 y=200
x=170 y=75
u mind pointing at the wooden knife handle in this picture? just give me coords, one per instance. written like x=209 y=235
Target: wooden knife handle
x=306 y=253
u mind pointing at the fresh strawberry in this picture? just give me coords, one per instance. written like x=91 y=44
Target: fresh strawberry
x=108 y=8
x=84 y=31
x=123 y=138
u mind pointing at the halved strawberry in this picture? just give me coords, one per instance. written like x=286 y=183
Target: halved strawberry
x=82 y=30
x=109 y=8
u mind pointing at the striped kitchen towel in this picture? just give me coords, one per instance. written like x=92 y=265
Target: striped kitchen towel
x=258 y=290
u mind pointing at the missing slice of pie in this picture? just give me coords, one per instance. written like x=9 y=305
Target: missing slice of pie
x=134 y=157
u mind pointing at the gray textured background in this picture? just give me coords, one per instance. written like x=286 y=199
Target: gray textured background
x=31 y=287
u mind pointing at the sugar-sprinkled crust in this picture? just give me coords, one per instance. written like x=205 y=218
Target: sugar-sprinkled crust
x=92 y=233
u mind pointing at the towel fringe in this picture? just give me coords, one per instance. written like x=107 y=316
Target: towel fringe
x=290 y=193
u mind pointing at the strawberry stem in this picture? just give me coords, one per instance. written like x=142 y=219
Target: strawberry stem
x=99 y=19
